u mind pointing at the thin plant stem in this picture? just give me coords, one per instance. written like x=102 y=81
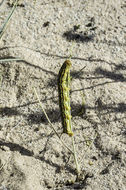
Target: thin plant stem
x=10 y=59
x=73 y=144
x=1 y=2
x=7 y=19
x=71 y=50
x=75 y=157
x=51 y=123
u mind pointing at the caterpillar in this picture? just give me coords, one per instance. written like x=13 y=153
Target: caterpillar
x=64 y=98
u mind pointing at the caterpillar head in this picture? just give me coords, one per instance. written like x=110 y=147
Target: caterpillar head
x=68 y=63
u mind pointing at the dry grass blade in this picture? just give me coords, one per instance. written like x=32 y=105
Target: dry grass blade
x=51 y=123
x=1 y=2
x=10 y=59
x=75 y=158
x=2 y=30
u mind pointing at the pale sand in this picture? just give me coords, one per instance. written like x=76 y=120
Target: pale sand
x=44 y=35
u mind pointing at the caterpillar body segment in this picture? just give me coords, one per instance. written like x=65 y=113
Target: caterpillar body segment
x=64 y=98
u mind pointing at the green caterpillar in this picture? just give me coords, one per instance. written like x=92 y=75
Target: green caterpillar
x=64 y=98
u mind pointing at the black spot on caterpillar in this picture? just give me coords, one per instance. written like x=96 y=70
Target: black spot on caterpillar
x=64 y=98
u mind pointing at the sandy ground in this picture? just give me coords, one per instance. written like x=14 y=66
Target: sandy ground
x=43 y=35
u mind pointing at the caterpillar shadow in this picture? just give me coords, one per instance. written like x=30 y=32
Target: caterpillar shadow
x=78 y=37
